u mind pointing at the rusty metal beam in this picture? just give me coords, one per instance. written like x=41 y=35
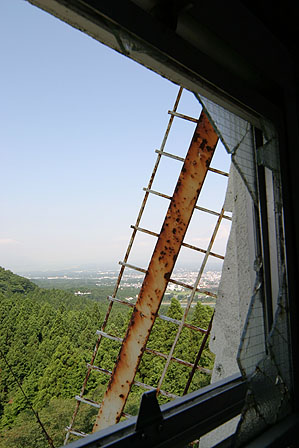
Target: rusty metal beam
x=168 y=245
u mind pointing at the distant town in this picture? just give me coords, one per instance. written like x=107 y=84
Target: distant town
x=86 y=282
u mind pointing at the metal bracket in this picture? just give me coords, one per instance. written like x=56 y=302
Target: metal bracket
x=266 y=156
x=149 y=411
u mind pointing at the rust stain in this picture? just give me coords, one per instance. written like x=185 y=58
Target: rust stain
x=159 y=271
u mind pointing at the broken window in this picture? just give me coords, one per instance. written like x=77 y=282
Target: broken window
x=253 y=285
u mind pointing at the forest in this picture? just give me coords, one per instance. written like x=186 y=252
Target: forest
x=46 y=339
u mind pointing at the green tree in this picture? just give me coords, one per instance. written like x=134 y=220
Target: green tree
x=64 y=375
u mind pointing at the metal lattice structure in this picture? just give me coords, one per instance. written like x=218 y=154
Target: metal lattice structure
x=157 y=276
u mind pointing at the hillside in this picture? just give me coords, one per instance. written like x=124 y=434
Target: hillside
x=47 y=337
x=11 y=283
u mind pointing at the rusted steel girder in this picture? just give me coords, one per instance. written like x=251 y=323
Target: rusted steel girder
x=168 y=245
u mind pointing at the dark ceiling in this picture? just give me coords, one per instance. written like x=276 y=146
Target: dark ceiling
x=280 y=18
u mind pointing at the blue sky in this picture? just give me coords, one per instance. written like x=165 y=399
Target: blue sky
x=79 y=127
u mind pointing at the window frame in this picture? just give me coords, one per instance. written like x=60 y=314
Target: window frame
x=170 y=55
x=176 y=423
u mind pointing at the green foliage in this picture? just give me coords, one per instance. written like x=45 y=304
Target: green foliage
x=11 y=283
x=202 y=315
x=47 y=337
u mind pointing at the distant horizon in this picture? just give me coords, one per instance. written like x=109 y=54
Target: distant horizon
x=93 y=267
